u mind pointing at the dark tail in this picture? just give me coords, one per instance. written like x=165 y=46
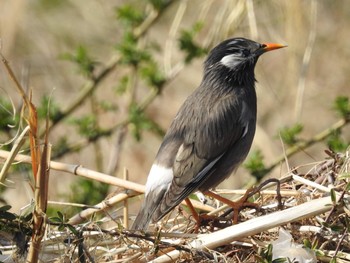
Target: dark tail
x=144 y=217
x=155 y=206
x=147 y=211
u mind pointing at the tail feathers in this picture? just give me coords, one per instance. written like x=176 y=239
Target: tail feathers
x=147 y=211
x=144 y=217
x=154 y=208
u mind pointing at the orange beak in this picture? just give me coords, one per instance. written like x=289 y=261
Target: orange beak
x=272 y=46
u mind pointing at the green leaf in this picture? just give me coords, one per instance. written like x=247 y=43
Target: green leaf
x=129 y=15
x=307 y=243
x=60 y=216
x=87 y=126
x=49 y=104
x=27 y=218
x=7 y=117
x=130 y=52
x=333 y=196
x=139 y=122
x=108 y=106
x=152 y=74
x=335 y=141
x=72 y=229
x=255 y=164
x=56 y=219
x=61 y=227
x=82 y=59
x=122 y=85
x=325 y=224
x=188 y=45
x=266 y=254
x=5 y=208
x=319 y=253
x=159 y=4
x=342 y=106
x=7 y=215
x=289 y=134
x=88 y=192
x=337 y=228
x=281 y=260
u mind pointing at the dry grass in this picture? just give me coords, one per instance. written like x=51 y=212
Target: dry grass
x=315 y=208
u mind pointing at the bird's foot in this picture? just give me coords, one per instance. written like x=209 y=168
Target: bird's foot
x=210 y=222
x=205 y=220
x=213 y=221
x=237 y=206
x=244 y=202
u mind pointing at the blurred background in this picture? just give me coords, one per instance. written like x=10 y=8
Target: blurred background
x=116 y=73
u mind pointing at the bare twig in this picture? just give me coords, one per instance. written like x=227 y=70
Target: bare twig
x=340 y=242
x=89 y=87
x=302 y=145
x=306 y=61
x=116 y=151
x=172 y=33
x=41 y=195
x=15 y=149
x=32 y=117
x=252 y=19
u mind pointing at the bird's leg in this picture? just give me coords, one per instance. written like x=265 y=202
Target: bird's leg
x=194 y=214
x=203 y=219
x=193 y=211
x=278 y=190
x=238 y=205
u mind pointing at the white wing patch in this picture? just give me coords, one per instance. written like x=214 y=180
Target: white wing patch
x=159 y=178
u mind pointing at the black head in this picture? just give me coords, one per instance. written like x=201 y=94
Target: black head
x=236 y=56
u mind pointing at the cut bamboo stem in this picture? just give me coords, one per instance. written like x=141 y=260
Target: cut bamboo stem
x=126 y=205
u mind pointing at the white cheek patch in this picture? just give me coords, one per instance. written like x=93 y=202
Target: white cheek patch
x=230 y=61
x=159 y=178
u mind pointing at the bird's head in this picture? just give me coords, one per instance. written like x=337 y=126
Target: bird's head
x=237 y=56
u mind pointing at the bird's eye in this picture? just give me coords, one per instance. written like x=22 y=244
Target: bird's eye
x=245 y=52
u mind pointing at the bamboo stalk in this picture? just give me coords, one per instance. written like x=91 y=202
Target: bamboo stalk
x=77 y=169
x=126 y=205
x=134 y=188
x=85 y=214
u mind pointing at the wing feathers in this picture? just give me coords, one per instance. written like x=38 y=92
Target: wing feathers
x=195 y=143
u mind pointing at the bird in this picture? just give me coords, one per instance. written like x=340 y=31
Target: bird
x=210 y=135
